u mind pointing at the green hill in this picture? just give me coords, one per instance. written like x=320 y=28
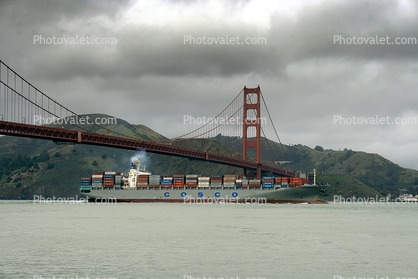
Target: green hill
x=370 y=170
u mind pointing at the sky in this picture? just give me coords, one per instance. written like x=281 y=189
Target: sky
x=327 y=69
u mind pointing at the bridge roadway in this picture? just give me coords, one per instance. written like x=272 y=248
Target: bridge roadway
x=57 y=134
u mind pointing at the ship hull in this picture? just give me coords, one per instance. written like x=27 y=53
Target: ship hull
x=304 y=194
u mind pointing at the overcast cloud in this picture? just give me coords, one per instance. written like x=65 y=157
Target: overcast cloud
x=151 y=77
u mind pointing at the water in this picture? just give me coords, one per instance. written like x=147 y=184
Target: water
x=158 y=240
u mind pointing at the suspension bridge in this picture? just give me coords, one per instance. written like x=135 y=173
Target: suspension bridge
x=21 y=104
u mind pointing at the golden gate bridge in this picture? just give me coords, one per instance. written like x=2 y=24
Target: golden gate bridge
x=21 y=104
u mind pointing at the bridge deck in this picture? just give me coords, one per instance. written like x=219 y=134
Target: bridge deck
x=49 y=133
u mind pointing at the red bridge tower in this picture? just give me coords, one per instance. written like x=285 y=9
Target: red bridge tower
x=252 y=103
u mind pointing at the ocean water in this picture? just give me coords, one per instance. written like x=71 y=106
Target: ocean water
x=160 y=240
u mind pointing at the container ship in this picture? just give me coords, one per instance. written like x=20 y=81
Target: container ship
x=141 y=186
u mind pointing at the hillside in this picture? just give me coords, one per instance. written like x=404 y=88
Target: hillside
x=31 y=167
x=371 y=170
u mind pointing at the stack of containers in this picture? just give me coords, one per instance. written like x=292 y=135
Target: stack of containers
x=229 y=180
x=268 y=182
x=244 y=183
x=191 y=181
x=238 y=183
x=109 y=179
x=118 y=180
x=256 y=183
x=142 y=181
x=298 y=181
x=203 y=181
x=216 y=181
x=178 y=181
x=154 y=181
x=97 y=180
x=277 y=182
x=85 y=184
x=292 y=182
x=285 y=181
x=167 y=182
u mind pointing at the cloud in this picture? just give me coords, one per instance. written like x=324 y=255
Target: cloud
x=151 y=76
